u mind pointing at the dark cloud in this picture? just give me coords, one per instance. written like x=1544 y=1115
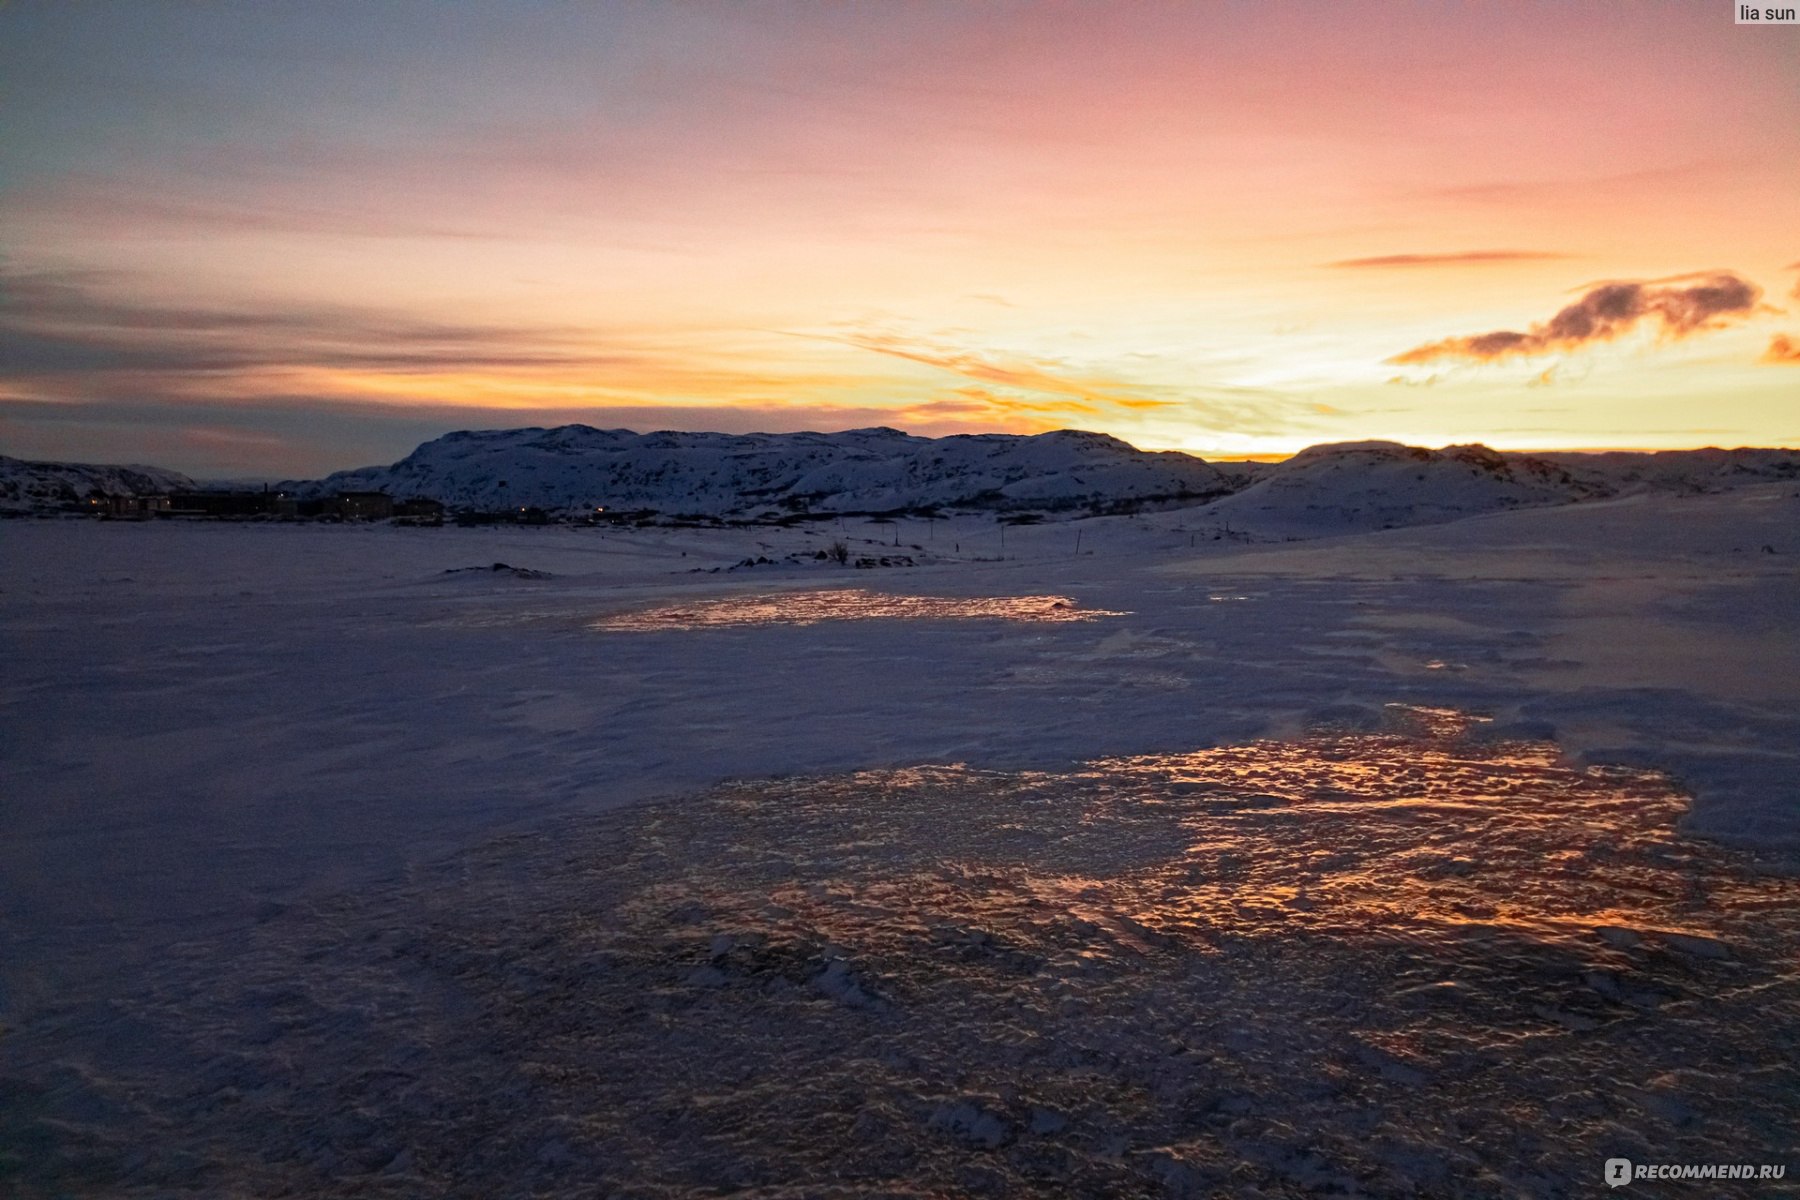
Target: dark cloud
x=1679 y=307
x=63 y=322
x=1783 y=350
x=1453 y=259
x=89 y=373
x=86 y=375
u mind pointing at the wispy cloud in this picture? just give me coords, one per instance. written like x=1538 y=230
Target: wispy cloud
x=1023 y=393
x=1680 y=306
x=1698 y=174
x=1025 y=375
x=77 y=336
x=1457 y=258
x=1081 y=393
x=56 y=322
x=152 y=201
x=976 y=410
x=1783 y=351
x=296 y=389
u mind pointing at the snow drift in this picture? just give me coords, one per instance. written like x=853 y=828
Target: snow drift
x=1355 y=487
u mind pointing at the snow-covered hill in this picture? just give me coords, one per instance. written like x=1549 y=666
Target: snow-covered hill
x=862 y=470
x=1359 y=486
x=1708 y=470
x=1332 y=489
x=47 y=486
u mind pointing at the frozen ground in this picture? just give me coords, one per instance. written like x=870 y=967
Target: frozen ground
x=300 y=866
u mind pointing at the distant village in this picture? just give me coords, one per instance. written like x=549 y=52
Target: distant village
x=270 y=505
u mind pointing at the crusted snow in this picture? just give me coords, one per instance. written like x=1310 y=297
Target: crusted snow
x=331 y=866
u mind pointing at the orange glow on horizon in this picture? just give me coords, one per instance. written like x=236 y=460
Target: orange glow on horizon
x=1222 y=231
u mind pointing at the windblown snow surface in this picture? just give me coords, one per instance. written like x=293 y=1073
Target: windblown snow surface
x=1448 y=860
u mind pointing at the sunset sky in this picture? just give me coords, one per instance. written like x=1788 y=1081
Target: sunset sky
x=267 y=240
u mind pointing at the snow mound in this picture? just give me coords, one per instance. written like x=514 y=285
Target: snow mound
x=1356 y=487
x=500 y=568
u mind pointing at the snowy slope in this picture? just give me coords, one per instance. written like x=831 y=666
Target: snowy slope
x=46 y=486
x=862 y=470
x=1355 y=487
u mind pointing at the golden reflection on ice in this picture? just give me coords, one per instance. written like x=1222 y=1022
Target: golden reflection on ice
x=845 y=604
x=1417 y=826
x=1424 y=829
x=1430 y=947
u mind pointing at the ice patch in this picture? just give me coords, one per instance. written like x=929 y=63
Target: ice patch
x=846 y=604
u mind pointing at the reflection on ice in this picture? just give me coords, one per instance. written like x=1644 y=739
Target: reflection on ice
x=845 y=604
x=1420 y=831
x=1407 y=962
x=1406 y=832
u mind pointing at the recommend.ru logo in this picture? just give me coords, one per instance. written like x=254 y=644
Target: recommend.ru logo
x=1621 y=1171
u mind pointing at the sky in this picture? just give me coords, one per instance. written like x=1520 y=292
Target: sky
x=271 y=241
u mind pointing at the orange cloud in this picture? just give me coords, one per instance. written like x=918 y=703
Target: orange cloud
x=1606 y=312
x=1000 y=402
x=1454 y=259
x=1783 y=350
x=1027 y=376
x=989 y=414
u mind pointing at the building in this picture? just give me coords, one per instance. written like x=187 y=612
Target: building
x=364 y=506
x=419 y=510
x=221 y=504
x=135 y=508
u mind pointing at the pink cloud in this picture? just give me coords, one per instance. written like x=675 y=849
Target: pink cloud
x=1604 y=313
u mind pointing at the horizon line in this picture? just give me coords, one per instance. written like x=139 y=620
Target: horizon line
x=1256 y=457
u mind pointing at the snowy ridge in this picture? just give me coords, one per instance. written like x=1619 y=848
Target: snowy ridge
x=45 y=486
x=861 y=470
x=1708 y=470
x=1332 y=489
